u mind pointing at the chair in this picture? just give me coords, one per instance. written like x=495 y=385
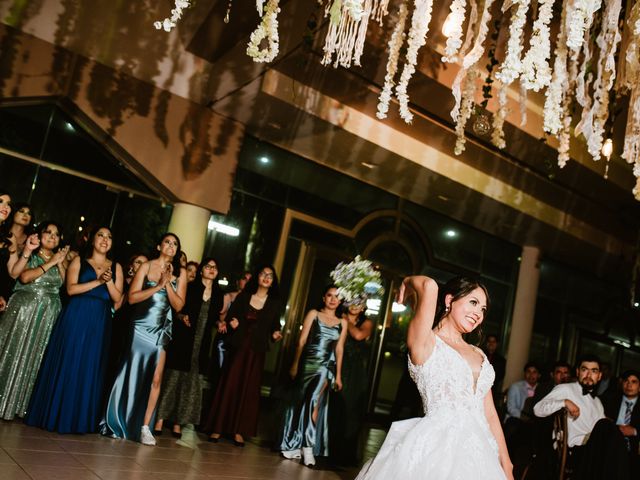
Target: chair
x=560 y=445
x=551 y=452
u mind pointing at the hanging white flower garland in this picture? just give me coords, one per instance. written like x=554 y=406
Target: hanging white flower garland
x=471 y=58
x=417 y=38
x=348 y=23
x=267 y=30
x=454 y=40
x=535 y=70
x=176 y=14
x=497 y=135
x=467 y=107
x=631 y=82
x=395 y=44
x=580 y=17
x=552 y=113
x=607 y=41
x=512 y=66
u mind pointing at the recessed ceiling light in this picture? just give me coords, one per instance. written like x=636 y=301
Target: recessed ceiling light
x=370 y=166
x=451 y=233
x=264 y=160
x=443 y=198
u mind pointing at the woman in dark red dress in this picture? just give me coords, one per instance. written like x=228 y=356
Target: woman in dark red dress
x=254 y=322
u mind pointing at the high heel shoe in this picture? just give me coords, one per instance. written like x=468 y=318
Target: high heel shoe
x=213 y=439
x=238 y=443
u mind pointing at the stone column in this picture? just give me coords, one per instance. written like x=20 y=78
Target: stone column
x=523 y=314
x=190 y=223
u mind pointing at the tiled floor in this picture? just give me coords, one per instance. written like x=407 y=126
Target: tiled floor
x=28 y=453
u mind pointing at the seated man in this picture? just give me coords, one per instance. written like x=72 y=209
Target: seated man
x=521 y=390
x=624 y=409
x=518 y=427
x=598 y=450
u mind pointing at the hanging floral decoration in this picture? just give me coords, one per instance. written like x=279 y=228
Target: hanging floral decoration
x=348 y=23
x=395 y=44
x=512 y=64
x=576 y=70
x=356 y=280
x=536 y=73
x=416 y=39
x=266 y=31
x=176 y=14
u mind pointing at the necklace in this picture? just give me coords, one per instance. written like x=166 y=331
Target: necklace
x=42 y=254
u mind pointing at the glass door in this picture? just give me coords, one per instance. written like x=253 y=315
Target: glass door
x=394 y=395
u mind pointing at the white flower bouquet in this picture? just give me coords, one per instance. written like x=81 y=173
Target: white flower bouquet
x=356 y=280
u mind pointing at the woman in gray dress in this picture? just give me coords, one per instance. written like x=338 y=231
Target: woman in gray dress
x=188 y=353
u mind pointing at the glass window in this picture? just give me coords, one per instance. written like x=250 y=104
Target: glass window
x=138 y=223
x=23 y=128
x=17 y=177
x=72 y=201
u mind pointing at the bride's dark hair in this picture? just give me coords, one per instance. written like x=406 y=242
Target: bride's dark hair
x=457 y=287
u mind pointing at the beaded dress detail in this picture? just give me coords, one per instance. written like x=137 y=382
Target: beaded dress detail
x=453 y=440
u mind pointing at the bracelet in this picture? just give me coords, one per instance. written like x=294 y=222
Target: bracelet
x=43 y=270
x=26 y=257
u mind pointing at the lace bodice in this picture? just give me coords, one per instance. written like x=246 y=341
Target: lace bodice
x=445 y=381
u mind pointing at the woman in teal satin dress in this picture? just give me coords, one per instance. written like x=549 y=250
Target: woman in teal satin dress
x=26 y=325
x=153 y=293
x=320 y=349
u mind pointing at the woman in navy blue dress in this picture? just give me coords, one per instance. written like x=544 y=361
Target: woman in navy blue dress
x=68 y=393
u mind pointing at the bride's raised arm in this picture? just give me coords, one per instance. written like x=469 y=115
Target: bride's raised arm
x=420 y=336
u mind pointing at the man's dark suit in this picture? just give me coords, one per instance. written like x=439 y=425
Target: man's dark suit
x=611 y=405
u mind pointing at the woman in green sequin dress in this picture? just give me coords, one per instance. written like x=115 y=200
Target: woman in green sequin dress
x=26 y=325
x=320 y=346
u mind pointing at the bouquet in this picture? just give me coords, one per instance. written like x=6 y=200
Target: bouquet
x=356 y=280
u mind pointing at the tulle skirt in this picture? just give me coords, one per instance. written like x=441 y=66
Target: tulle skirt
x=437 y=447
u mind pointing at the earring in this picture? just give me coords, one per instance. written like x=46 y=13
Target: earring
x=446 y=309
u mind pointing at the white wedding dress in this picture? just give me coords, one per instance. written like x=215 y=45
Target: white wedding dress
x=453 y=440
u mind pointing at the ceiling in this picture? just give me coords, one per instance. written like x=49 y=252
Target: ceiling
x=327 y=115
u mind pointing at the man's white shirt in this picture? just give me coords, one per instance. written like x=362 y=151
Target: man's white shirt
x=591 y=410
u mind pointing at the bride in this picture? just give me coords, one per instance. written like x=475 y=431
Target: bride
x=460 y=436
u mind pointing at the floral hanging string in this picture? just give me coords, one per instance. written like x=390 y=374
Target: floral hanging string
x=535 y=70
x=417 y=38
x=552 y=113
x=607 y=41
x=266 y=31
x=466 y=108
x=464 y=101
x=348 y=23
x=512 y=65
x=454 y=40
x=176 y=14
x=631 y=82
x=395 y=44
